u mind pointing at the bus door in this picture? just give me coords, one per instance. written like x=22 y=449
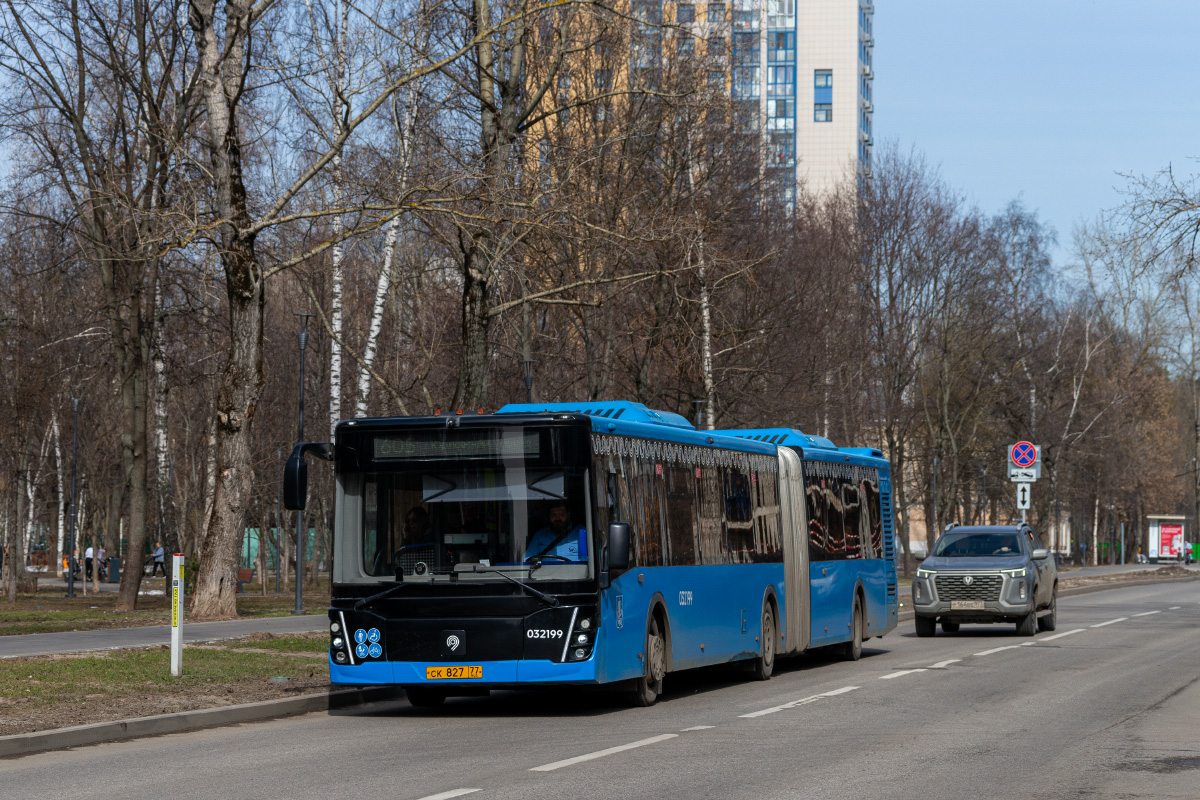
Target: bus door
x=795 y=552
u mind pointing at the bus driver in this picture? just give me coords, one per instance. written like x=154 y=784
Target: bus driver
x=560 y=540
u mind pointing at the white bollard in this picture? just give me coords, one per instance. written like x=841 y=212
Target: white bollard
x=177 y=614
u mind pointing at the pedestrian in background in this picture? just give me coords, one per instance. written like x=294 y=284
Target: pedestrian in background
x=87 y=562
x=160 y=556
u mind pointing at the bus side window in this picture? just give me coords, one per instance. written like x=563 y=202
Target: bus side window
x=614 y=498
x=814 y=498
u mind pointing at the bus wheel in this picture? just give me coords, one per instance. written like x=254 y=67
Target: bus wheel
x=852 y=650
x=649 y=686
x=764 y=664
x=420 y=697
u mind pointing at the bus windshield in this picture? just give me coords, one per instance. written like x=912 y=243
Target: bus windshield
x=456 y=521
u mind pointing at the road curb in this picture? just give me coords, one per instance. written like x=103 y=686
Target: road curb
x=27 y=743
x=905 y=616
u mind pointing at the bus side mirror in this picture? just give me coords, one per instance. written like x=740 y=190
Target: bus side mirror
x=618 y=546
x=295 y=482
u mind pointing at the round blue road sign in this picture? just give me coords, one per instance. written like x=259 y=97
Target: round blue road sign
x=361 y=650
x=360 y=635
x=375 y=650
x=373 y=635
x=1023 y=454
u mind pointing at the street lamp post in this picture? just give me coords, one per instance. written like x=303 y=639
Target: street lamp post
x=699 y=405
x=302 y=340
x=528 y=364
x=71 y=526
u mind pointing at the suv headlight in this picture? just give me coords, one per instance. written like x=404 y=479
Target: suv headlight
x=926 y=573
x=1014 y=573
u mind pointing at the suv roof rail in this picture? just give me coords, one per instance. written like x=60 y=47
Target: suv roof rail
x=949 y=526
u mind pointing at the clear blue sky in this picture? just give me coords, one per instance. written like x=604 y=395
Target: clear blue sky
x=1046 y=100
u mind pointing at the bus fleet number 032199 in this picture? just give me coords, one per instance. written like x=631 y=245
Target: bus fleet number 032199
x=543 y=633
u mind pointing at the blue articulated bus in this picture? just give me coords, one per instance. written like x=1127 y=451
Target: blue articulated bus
x=594 y=544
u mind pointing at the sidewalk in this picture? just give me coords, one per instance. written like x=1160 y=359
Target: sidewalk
x=41 y=644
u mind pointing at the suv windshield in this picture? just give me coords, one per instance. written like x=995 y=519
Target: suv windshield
x=966 y=543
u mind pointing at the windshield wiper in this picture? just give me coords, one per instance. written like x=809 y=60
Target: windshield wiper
x=366 y=601
x=540 y=595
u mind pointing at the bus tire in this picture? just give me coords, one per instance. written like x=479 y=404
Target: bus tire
x=852 y=650
x=654 y=666
x=764 y=663
x=421 y=697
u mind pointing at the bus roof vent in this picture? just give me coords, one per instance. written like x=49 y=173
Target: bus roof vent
x=782 y=437
x=629 y=412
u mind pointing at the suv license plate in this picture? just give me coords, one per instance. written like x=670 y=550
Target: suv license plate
x=454 y=673
x=966 y=605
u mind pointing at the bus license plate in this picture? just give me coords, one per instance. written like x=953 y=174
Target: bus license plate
x=453 y=673
x=966 y=605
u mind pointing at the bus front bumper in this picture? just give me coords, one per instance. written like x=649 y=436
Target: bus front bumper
x=495 y=673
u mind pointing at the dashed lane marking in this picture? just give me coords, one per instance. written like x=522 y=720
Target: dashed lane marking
x=449 y=794
x=697 y=728
x=1110 y=622
x=997 y=649
x=1147 y=613
x=802 y=701
x=1174 y=608
x=897 y=674
x=1059 y=635
x=566 y=762
x=944 y=664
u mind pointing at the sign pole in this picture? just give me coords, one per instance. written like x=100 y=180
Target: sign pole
x=177 y=614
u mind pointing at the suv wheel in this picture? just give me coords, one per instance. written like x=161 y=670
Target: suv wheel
x=1028 y=624
x=926 y=626
x=1048 y=622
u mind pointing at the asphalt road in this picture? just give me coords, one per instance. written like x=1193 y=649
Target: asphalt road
x=1104 y=707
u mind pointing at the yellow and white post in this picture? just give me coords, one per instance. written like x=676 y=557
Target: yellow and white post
x=177 y=614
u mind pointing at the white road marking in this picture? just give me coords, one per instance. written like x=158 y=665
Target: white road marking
x=449 y=794
x=1110 y=622
x=944 y=664
x=801 y=702
x=1060 y=635
x=566 y=762
x=1174 y=608
x=697 y=728
x=998 y=649
x=1028 y=644
x=897 y=674
x=1147 y=613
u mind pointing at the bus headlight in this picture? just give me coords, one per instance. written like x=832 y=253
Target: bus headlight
x=582 y=638
x=580 y=653
x=334 y=627
x=340 y=657
x=584 y=624
x=338 y=642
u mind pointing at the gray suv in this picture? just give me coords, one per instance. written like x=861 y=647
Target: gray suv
x=986 y=573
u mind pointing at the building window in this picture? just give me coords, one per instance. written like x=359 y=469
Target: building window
x=781 y=81
x=745 y=48
x=685 y=13
x=603 y=79
x=745 y=20
x=823 y=79
x=716 y=77
x=716 y=12
x=745 y=82
x=687 y=45
x=781 y=46
x=716 y=46
x=823 y=112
